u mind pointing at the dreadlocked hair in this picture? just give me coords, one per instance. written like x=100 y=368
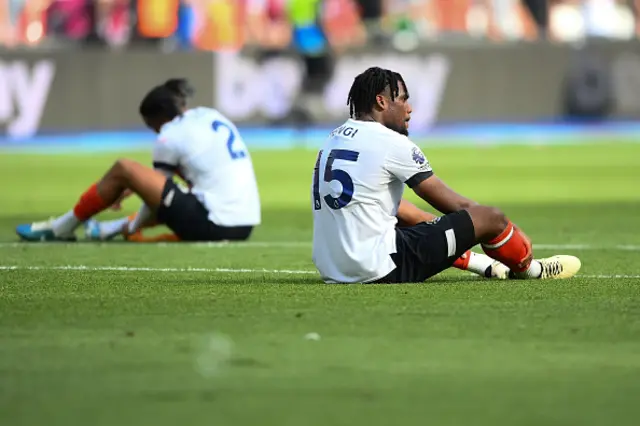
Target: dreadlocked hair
x=368 y=85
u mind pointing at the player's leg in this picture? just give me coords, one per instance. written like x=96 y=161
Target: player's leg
x=410 y=215
x=426 y=249
x=147 y=183
x=125 y=174
x=481 y=264
x=105 y=230
x=429 y=248
x=503 y=241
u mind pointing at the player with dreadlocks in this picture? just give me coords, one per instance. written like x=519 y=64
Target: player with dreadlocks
x=363 y=231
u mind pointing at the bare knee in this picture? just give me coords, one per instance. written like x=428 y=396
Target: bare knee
x=488 y=222
x=497 y=219
x=121 y=168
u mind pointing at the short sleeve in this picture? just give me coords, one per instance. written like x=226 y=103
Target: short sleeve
x=407 y=163
x=165 y=156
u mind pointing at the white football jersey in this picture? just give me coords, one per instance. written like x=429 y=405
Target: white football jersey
x=203 y=147
x=358 y=183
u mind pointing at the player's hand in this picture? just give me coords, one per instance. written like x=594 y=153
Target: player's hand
x=117 y=206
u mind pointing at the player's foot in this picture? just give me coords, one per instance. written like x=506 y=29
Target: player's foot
x=497 y=271
x=556 y=268
x=93 y=231
x=41 y=231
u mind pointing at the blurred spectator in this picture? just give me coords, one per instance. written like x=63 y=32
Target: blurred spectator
x=608 y=18
x=267 y=24
x=342 y=24
x=336 y=24
x=157 y=18
x=298 y=24
x=71 y=19
x=218 y=24
x=23 y=21
x=421 y=17
x=371 y=14
x=503 y=19
x=451 y=16
x=539 y=10
x=311 y=43
x=105 y=21
x=10 y=12
x=113 y=21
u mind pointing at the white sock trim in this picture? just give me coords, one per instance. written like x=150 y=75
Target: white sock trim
x=500 y=243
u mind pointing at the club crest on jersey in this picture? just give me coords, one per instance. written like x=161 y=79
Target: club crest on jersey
x=418 y=156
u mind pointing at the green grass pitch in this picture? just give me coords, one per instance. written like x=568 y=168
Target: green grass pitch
x=136 y=338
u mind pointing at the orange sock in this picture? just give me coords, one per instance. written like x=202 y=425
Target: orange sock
x=90 y=204
x=463 y=261
x=510 y=248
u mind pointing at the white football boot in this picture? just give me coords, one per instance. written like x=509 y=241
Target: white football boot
x=555 y=268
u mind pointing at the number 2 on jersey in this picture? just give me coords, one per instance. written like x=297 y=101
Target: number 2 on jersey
x=235 y=155
x=331 y=174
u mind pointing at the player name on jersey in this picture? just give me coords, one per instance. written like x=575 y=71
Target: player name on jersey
x=346 y=131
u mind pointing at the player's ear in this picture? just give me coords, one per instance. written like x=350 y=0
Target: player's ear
x=381 y=102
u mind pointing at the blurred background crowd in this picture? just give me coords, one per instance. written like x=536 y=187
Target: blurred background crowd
x=309 y=25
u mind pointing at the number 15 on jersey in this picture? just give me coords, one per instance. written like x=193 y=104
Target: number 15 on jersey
x=330 y=174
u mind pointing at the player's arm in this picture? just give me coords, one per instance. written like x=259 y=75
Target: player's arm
x=438 y=194
x=117 y=205
x=410 y=215
x=166 y=159
x=427 y=185
x=406 y=162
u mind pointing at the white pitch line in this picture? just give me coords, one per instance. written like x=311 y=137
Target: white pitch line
x=81 y=243
x=213 y=270
x=615 y=277
x=147 y=269
x=285 y=244
x=623 y=247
